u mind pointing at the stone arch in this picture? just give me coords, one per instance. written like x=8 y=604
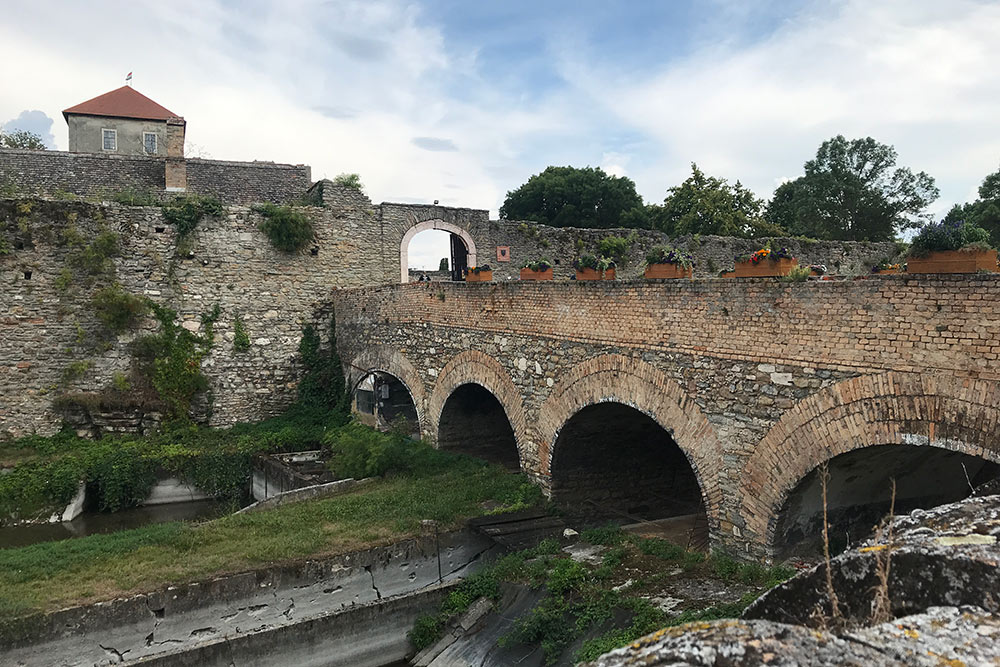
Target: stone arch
x=423 y=226
x=475 y=367
x=957 y=414
x=387 y=360
x=615 y=378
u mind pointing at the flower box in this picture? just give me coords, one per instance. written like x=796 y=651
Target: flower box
x=609 y=274
x=588 y=274
x=484 y=276
x=885 y=272
x=953 y=261
x=668 y=271
x=528 y=274
x=766 y=268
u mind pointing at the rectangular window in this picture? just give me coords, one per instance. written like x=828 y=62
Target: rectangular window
x=149 y=143
x=110 y=140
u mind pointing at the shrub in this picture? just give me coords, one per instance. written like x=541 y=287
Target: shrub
x=958 y=235
x=592 y=262
x=360 y=452
x=349 y=181
x=289 y=230
x=118 y=310
x=798 y=274
x=662 y=254
x=132 y=196
x=614 y=246
x=184 y=213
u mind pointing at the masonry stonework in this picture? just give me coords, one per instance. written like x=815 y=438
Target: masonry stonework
x=757 y=381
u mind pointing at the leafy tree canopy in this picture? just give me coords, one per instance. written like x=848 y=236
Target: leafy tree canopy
x=985 y=211
x=709 y=205
x=852 y=190
x=349 y=181
x=572 y=197
x=21 y=139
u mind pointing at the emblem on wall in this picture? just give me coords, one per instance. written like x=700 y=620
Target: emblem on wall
x=503 y=253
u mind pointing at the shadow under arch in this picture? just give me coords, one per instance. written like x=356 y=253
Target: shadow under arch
x=637 y=387
x=472 y=367
x=955 y=414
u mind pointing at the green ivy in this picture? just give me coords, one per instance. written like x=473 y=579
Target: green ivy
x=241 y=339
x=289 y=230
x=171 y=358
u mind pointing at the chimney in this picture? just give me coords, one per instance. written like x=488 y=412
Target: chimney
x=175 y=169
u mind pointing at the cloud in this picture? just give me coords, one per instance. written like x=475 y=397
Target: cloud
x=434 y=144
x=32 y=121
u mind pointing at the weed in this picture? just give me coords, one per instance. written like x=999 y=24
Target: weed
x=241 y=339
x=185 y=213
x=288 y=230
x=118 y=310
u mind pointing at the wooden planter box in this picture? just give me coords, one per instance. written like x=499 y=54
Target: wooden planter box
x=668 y=271
x=481 y=277
x=767 y=268
x=953 y=261
x=610 y=274
x=885 y=272
x=588 y=274
x=528 y=274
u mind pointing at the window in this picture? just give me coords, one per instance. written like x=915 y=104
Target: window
x=110 y=140
x=149 y=142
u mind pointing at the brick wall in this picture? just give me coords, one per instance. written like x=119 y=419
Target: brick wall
x=99 y=176
x=756 y=380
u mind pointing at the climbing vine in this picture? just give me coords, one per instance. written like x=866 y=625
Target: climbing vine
x=241 y=339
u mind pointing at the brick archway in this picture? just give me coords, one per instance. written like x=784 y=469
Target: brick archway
x=475 y=367
x=615 y=378
x=387 y=360
x=404 y=245
x=957 y=414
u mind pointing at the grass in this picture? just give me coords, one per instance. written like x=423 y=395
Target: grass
x=446 y=487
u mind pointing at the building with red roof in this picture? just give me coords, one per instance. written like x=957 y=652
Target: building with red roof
x=125 y=122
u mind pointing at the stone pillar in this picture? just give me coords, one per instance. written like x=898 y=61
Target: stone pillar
x=175 y=170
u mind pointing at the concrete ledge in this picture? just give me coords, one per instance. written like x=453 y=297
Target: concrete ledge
x=306 y=493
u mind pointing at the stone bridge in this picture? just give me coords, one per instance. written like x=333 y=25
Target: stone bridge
x=652 y=398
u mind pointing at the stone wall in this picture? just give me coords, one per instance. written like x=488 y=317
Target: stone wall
x=46 y=328
x=99 y=176
x=757 y=381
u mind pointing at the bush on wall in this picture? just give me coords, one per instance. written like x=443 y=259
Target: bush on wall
x=289 y=230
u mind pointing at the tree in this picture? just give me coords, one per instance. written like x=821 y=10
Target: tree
x=709 y=205
x=852 y=190
x=443 y=265
x=985 y=211
x=572 y=197
x=21 y=139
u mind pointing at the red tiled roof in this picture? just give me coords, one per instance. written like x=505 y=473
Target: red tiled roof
x=125 y=102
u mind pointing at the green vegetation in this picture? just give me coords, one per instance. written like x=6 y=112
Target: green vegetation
x=437 y=485
x=241 y=339
x=616 y=247
x=661 y=254
x=443 y=264
x=852 y=190
x=22 y=139
x=185 y=213
x=118 y=310
x=133 y=196
x=983 y=212
x=798 y=274
x=349 y=181
x=289 y=230
x=581 y=599
x=171 y=358
x=945 y=235
x=543 y=264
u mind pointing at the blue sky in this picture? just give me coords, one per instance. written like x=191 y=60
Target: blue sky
x=462 y=100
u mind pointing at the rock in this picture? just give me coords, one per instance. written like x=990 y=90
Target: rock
x=941 y=636
x=569 y=532
x=942 y=557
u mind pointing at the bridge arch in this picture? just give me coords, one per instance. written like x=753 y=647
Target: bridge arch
x=442 y=225
x=458 y=381
x=384 y=359
x=958 y=415
x=634 y=384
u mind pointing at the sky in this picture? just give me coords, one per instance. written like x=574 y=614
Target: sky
x=462 y=101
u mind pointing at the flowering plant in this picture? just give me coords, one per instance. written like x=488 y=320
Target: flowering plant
x=944 y=235
x=592 y=262
x=662 y=254
x=884 y=265
x=542 y=264
x=765 y=253
x=477 y=269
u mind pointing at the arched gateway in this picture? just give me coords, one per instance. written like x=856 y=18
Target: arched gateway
x=463 y=248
